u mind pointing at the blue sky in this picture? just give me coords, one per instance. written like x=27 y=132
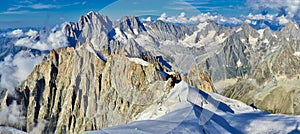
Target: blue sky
x=46 y=13
x=174 y=7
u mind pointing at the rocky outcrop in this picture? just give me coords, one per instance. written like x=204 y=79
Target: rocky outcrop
x=3 y=98
x=76 y=90
x=198 y=79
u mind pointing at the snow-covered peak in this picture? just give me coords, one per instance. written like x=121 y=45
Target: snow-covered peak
x=91 y=12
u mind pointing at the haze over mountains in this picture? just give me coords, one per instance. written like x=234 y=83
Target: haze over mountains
x=104 y=73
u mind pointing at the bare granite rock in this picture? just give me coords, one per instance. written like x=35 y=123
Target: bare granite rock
x=76 y=90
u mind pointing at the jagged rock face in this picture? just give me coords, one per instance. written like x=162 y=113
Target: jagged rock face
x=274 y=84
x=98 y=30
x=165 y=31
x=223 y=64
x=197 y=79
x=75 y=90
x=130 y=24
x=283 y=62
x=160 y=39
x=92 y=26
x=241 y=45
x=134 y=49
x=207 y=29
x=3 y=98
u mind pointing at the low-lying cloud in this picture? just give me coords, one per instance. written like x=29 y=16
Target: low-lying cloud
x=39 y=127
x=47 y=41
x=15 y=33
x=12 y=116
x=15 y=68
x=232 y=21
x=31 y=33
x=202 y=17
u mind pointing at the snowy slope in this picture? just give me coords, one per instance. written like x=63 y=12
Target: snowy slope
x=139 y=61
x=10 y=130
x=189 y=110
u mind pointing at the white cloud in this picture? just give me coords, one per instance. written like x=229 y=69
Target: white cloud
x=15 y=69
x=31 y=43
x=289 y=7
x=12 y=115
x=163 y=16
x=39 y=127
x=43 y=6
x=174 y=19
x=268 y=17
x=16 y=7
x=57 y=39
x=16 y=12
x=202 y=17
x=33 y=6
x=233 y=21
x=182 y=16
x=53 y=40
x=23 y=6
x=31 y=33
x=274 y=19
x=16 y=33
x=146 y=19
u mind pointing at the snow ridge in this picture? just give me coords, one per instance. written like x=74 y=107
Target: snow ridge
x=190 y=110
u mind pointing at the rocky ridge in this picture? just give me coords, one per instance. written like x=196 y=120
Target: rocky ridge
x=242 y=52
x=71 y=85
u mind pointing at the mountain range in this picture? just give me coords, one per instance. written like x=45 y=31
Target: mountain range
x=115 y=72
